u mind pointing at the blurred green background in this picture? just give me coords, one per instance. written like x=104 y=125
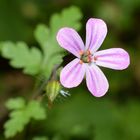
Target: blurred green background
x=116 y=116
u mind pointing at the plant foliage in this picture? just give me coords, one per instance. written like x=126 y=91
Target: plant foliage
x=21 y=115
x=33 y=60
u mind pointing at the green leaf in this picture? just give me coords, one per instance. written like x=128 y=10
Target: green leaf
x=21 y=116
x=42 y=35
x=17 y=103
x=46 y=37
x=50 y=49
x=16 y=123
x=69 y=17
x=22 y=57
x=35 y=111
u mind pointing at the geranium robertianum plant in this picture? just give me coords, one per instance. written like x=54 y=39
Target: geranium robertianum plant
x=45 y=61
x=88 y=57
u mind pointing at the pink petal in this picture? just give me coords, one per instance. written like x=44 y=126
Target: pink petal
x=70 y=40
x=96 y=31
x=115 y=58
x=72 y=74
x=96 y=81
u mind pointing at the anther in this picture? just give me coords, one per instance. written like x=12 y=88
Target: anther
x=89 y=59
x=81 y=62
x=81 y=52
x=88 y=52
x=95 y=58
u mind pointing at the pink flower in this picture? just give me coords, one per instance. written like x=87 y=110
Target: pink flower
x=88 y=58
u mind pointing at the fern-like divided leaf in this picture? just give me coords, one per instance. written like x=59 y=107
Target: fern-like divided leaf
x=32 y=60
x=69 y=17
x=46 y=37
x=21 y=116
x=21 y=56
x=17 y=103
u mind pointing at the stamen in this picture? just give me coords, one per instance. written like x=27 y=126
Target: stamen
x=81 y=62
x=95 y=58
x=88 y=60
x=81 y=52
x=86 y=57
x=88 y=52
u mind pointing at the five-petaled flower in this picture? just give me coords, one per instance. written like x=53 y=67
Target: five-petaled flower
x=88 y=57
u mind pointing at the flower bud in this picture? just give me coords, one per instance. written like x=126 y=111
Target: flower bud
x=52 y=89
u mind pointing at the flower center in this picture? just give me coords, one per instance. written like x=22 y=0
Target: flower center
x=86 y=56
